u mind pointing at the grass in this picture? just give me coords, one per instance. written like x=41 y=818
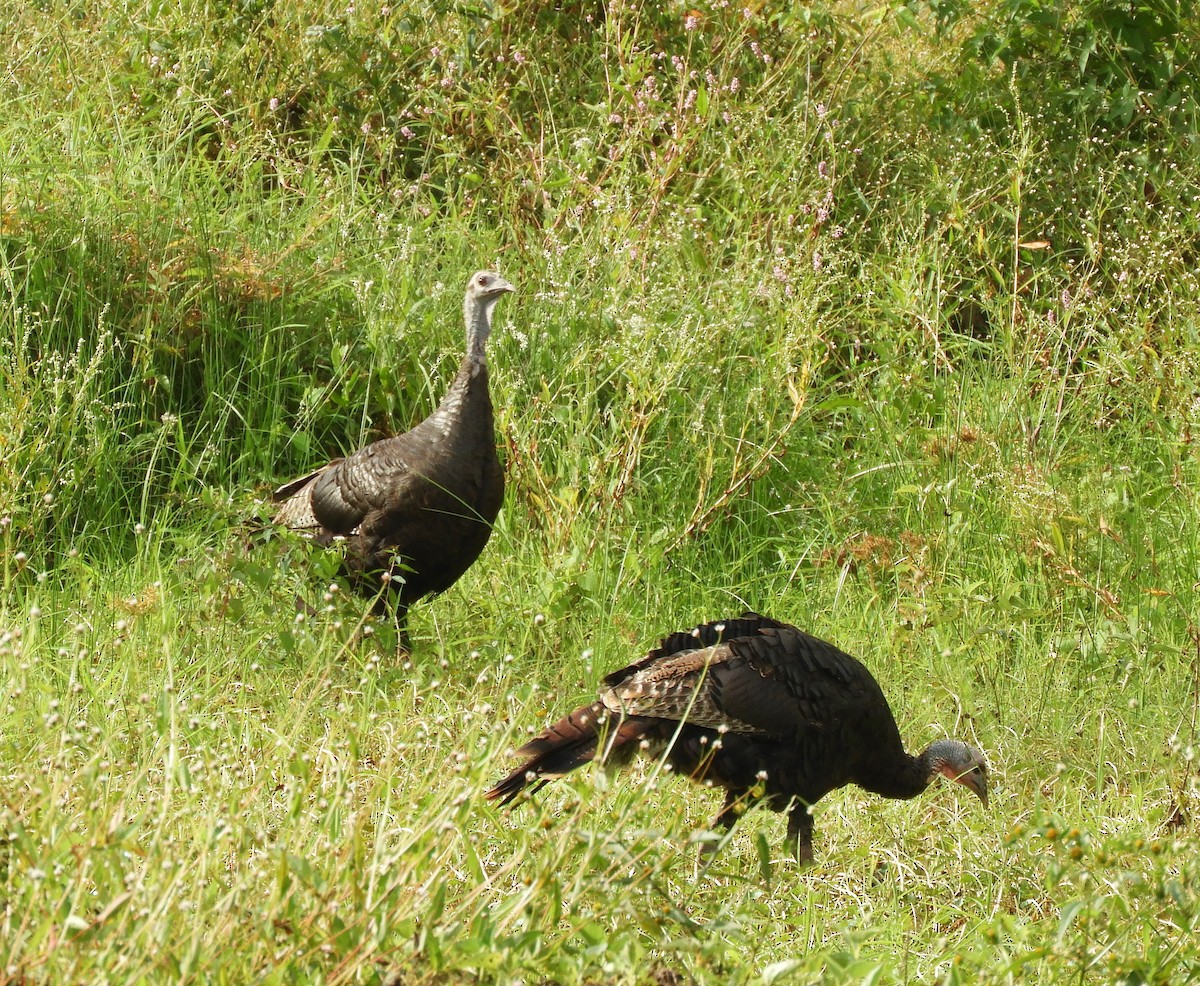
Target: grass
x=815 y=315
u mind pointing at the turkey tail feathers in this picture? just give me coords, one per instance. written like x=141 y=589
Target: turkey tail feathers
x=570 y=743
x=290 y=489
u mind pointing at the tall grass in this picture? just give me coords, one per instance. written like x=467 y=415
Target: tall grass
x=817 y=315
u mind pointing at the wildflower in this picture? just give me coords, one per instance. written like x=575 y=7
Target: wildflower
x=273 y=105
x=692 y=21
x=407 y=133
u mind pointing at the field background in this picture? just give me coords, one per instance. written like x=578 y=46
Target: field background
x=880 y=319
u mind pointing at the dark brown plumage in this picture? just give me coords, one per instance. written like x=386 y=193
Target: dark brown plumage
x=417 y=509
x=756 y=707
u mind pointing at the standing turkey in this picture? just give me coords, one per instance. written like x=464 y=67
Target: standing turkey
x=417 y=509
x=756 y=707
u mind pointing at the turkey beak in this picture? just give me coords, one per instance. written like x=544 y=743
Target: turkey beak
x=502 y=287
x=975 y=780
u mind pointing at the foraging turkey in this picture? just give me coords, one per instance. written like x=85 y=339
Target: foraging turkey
x=417 y=509
x=756 y=707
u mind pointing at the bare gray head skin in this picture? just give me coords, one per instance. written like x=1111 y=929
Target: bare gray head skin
x=959 y=762
x=485 y=288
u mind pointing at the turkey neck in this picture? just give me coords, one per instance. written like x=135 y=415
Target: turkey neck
x=470 y=386
x=899 y=776
x=477 y=313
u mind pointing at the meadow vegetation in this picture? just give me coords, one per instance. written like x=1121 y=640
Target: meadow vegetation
x=879 y=319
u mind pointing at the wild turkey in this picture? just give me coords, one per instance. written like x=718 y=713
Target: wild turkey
x=756 y=707
x=416 y=509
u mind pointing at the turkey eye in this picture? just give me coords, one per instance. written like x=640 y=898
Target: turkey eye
x=482 y=282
